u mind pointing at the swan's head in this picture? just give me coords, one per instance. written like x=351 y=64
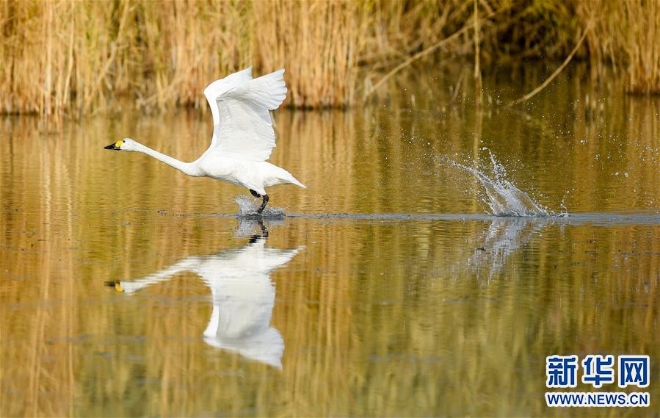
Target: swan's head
x=126 y=144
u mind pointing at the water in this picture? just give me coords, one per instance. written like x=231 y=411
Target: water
x=248 y=207
x=501 y=196
x=438 y=255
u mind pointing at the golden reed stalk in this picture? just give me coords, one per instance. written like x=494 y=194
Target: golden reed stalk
x=80 y=57
x=634 y=31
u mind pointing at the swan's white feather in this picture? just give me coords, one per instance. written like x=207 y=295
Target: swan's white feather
x=243 y=128
x=218 y=87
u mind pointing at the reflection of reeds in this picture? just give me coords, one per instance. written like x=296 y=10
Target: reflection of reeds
x=74 y=57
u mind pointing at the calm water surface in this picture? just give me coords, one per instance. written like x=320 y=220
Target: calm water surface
x=390 y=290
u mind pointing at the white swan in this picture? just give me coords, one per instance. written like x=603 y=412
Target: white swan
x=243 y=135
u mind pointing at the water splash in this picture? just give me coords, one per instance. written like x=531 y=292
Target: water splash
x=502 y=197
x=247 y=207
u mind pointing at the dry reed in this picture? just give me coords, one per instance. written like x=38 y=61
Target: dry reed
x=76 y=58
x=633 y=29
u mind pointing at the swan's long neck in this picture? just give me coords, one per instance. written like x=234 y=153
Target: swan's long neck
x=187 y=168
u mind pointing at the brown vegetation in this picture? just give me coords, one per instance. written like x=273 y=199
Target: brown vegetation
x=72 y=57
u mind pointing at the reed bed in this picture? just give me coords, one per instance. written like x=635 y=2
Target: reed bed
x=634 y=31
x=76 y=58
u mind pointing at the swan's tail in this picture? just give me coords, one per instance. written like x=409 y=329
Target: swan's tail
x=287 y=178
x=295 y=181
x=275 y=175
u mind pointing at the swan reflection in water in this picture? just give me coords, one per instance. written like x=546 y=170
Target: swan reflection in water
x=243 y=295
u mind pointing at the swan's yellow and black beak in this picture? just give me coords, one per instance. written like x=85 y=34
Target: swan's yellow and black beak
x=116 y=146
x=116 y=285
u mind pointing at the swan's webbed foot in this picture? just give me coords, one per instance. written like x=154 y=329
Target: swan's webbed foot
x=253 y=193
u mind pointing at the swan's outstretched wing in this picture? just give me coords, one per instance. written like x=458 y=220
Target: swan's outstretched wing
x=219 y=87
x=244 y=128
